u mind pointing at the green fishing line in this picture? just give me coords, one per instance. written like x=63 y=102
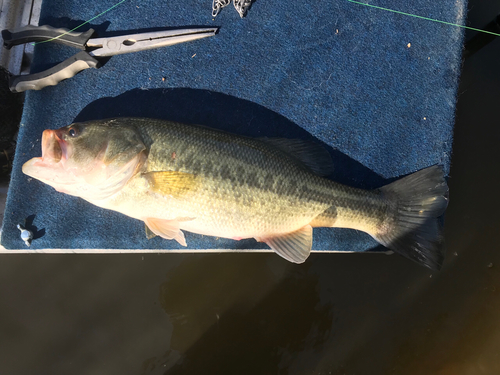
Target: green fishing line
x=67 y=32
x=424 y=18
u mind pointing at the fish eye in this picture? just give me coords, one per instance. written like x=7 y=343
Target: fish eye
x=72 y=132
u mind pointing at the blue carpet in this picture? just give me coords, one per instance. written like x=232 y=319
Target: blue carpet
x=378 y=89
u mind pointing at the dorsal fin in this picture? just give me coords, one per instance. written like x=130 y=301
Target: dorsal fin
x=310 y=154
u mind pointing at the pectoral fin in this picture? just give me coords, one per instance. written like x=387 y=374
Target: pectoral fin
x=168 y=229
x=294 y=247
x=172 y=183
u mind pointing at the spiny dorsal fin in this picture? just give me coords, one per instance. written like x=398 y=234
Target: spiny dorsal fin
x=172 y=183
x=311 y=154
x=294 y=247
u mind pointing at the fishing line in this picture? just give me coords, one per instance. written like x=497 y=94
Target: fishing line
x=424 y=18
x=67 y=32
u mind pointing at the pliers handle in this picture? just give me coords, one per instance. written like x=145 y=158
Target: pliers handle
x=66 y=69
x=31 y=33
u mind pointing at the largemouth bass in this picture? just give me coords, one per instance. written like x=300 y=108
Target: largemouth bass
x=177 y=177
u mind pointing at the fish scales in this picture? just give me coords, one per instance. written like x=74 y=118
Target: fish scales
x=235 y=172
x=178 y=177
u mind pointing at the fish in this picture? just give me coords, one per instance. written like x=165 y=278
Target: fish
x=178 y=177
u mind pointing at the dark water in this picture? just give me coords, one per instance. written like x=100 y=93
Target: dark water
x=257 y=314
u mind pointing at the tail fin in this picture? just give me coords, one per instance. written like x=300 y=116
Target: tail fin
x=412 y=228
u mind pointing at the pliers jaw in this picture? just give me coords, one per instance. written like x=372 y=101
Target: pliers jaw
x=118 y=45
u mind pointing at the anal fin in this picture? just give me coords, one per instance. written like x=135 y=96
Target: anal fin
x=294 y=247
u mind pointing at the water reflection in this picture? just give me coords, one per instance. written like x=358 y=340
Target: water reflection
x=254 y=313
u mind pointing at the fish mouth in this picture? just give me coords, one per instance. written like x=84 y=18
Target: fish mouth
x=50 y=167
x=54 y=148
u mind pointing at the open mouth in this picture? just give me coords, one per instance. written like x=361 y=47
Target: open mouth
x=50 y=167
x=53 y=147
